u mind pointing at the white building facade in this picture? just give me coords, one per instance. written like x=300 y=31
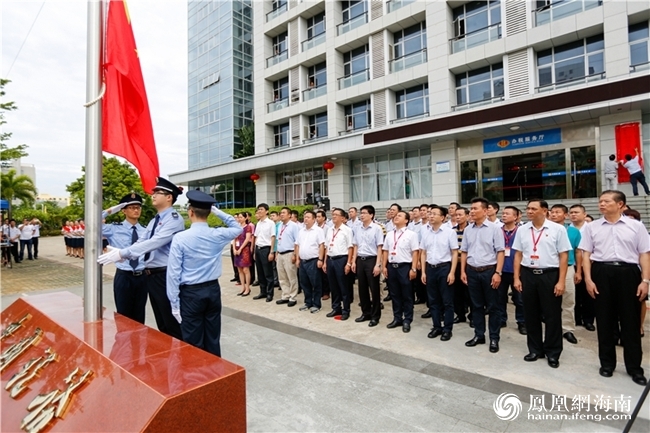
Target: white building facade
x=439 y=101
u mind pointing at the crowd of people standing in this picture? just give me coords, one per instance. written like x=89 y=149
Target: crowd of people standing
x=18 y=238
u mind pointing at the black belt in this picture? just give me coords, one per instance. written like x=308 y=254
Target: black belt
x=337 y=257
x=199 y=285
x=438 y=265
x=541 y=271
x=481 y=268
x=151 y=271
x=134 y=273
x=623 y=264
x=399 y=265
x=285 y=252
x=261 y=248
x=309 y=260
x=367 y=258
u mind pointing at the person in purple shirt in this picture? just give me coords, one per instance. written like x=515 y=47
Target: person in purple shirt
x=613 y=248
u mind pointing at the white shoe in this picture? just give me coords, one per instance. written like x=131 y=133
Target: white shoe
x=314 y=310
x=304 y=308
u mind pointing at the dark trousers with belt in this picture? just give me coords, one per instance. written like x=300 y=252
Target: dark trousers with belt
x=130 y=292
x=201 y=315
x=617 y=300
x=325 y=282
x=339 y=284
x=14 y=251
x=369 y=293
x=162 y=309
x=507 y=280
x=35 y=246
x=461 y=297
x=540 y=301
x=264 y=271
x=401 y=292
x=640 y=178
x=484 y=297
x=310 y=281
x=440 y=296
x=26 y=243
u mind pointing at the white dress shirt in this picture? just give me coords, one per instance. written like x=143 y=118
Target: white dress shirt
x=338 y=240
x=400 y=245
x=439 y=244
x=264 y=230
x=541 y=248
x=309 y=241
x=367 y=239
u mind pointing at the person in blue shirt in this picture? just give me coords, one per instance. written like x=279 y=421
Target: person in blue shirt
x=129 y=288
x=154 y=248
x=193 y=271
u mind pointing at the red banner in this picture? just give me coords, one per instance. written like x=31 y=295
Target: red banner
x=628 y=141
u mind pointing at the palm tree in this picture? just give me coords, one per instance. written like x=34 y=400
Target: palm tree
x=14 y=187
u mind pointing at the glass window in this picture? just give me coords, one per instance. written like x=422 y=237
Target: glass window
x=357 y=116
x=316 y=25
x=410 y=40
x=281 y=135
x=352 y=9
x=301 y=187
x=317 y=75
x=638 y=38
x=476 y=16
x=356 y=60
x=280 y=43
x=575 y=61
x=549 y=10
x=412 y=102
x=318 y=126
x=281 y=89
x=480 y=85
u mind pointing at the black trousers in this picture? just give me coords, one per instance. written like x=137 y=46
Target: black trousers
x=35 y=246
x=507 y=281
x=617 y=300
x=201 y=315
x=232 y=261
x=484 y=297
x=310 y=281
x=14 y=251
x=401 y=292
x=162 y=309
x=584 y=309
x=369 y=293
x=540 y=301
x=461 y=297
x=325 y=282
x=264 y=271
x=130 y=294
x=339 y=284
x=419 y=289
x=440 y=296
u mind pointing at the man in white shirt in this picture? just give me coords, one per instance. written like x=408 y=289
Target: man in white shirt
x=390 y=214
x=264 y=255
x=451 y=214
x=339 y=247
x=14 y=237
x=286 y=258
x=353 y=221
x=493 y=213
x=636 y=173
x=611 y=173
x=36 y=236
x=541 y=262
x=310 y=251
x=26 y=233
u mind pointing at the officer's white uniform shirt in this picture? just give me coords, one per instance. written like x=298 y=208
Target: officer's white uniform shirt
x=264 y=230
x=400 y=245
x=551 y=240
x=438 y=244
x=337 y=241
x=309 y=242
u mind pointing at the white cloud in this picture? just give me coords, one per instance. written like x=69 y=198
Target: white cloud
x=49 y=82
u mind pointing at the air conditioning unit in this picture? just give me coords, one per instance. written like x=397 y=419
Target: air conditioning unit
x=295 y=95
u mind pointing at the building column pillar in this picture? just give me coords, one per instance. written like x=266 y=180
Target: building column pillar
x=339 y=184
x=265 y=188
x=444 y=172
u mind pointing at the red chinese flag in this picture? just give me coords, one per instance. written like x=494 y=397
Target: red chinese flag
x=628 y=138
x=126 y=121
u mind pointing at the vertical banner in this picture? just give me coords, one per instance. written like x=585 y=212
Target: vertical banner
x=627 y=140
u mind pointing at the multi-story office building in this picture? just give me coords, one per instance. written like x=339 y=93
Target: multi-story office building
x=439 y=101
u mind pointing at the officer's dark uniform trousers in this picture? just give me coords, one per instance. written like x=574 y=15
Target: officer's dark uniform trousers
x=201 y=315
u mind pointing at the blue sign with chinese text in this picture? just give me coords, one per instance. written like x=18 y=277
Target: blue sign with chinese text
x=520 y=141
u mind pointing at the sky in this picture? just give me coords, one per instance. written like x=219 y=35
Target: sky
x=48 y=82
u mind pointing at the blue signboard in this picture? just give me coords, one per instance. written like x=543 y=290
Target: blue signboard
x=521 y=141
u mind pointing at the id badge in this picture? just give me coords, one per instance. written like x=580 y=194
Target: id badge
x=237 y=244
x=507 y=252
x=534 y=260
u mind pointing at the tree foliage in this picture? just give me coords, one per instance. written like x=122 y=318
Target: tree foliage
x=8 y=154
x=118 y=180
x=14 y=187
x=246 y=136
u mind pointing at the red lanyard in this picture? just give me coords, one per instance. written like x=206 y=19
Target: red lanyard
x=334 y=235
x=284 y=227
x=395 y=241
x=507 y=236
x=536 y=241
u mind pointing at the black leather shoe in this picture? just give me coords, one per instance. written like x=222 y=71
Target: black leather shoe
x=553 y=362
x=260 y=296
x=504 y=324
x=606 y=372
x=446 y=336
x=387 y=298
x=361 y=319
x=233 y=280
x=292 y=303
x=426 y=315
x=269 y=298
x=474 y=341
x=393 y=324
x=345 y=316
x=435 y=333
x=406 y=327
x=494 y=346
x=333 y=313
x=590 y=327
x=522 y=329
x=282 y=301
x=568 y=336
x=418 y=302
x=639 y=379
x=532 y=357
x=373 y=323
x=458 y=319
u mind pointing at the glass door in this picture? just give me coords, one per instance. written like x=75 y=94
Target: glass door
x=583 y=172
x=468 y=180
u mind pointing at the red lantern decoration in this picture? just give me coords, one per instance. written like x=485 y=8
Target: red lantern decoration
x=329 y=165
x=255 y=177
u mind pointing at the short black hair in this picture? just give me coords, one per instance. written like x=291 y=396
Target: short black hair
x=542 y=203
x=295 y=212
x=464 y=209
x=495 y=205
x=514 y=208
x=618 y=195
x=286 y=208
x=580 y=206
x=454 y=203
x=406 y=215
x=443 y=210
x=311 y=212
x=263 y=206
x=612 y=157
x=627 y=158
x=484 y=202
x=352 y=207
x=399 y=208
x=369 y=208
x=200 y=213
x=321 y=213
x=560 y=206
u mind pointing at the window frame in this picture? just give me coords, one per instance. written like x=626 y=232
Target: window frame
x=586 y=56
x=465 y=88
x=424 y=97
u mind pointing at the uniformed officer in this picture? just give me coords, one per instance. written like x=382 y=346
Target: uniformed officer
x=613 y=247
x=129 y=288
x=540 y=268
x=438 y=259
x=399 y=267
x=154 y=246
x=193 y=271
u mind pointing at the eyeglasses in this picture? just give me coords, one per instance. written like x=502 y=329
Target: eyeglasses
x=159 y=192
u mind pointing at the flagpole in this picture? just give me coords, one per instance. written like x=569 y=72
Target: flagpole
x=93 y=197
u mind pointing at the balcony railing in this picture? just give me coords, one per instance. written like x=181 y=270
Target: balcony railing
x=354 y=79
x=393 y=5
x=352 y=126
x=563 y=8
x=314 y=139
x=408 y=61
x=569 y=83
x=355 y=22
x=276 y=12
x=280 y=57
x=640 y=67
x=314 y=92
x=313 y=41
x=277 y=105
x=409 y=118
x=480 y=103
x=476 y=38
x=279 y=146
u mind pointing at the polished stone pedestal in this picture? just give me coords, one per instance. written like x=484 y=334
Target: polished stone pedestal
x=140 y=380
